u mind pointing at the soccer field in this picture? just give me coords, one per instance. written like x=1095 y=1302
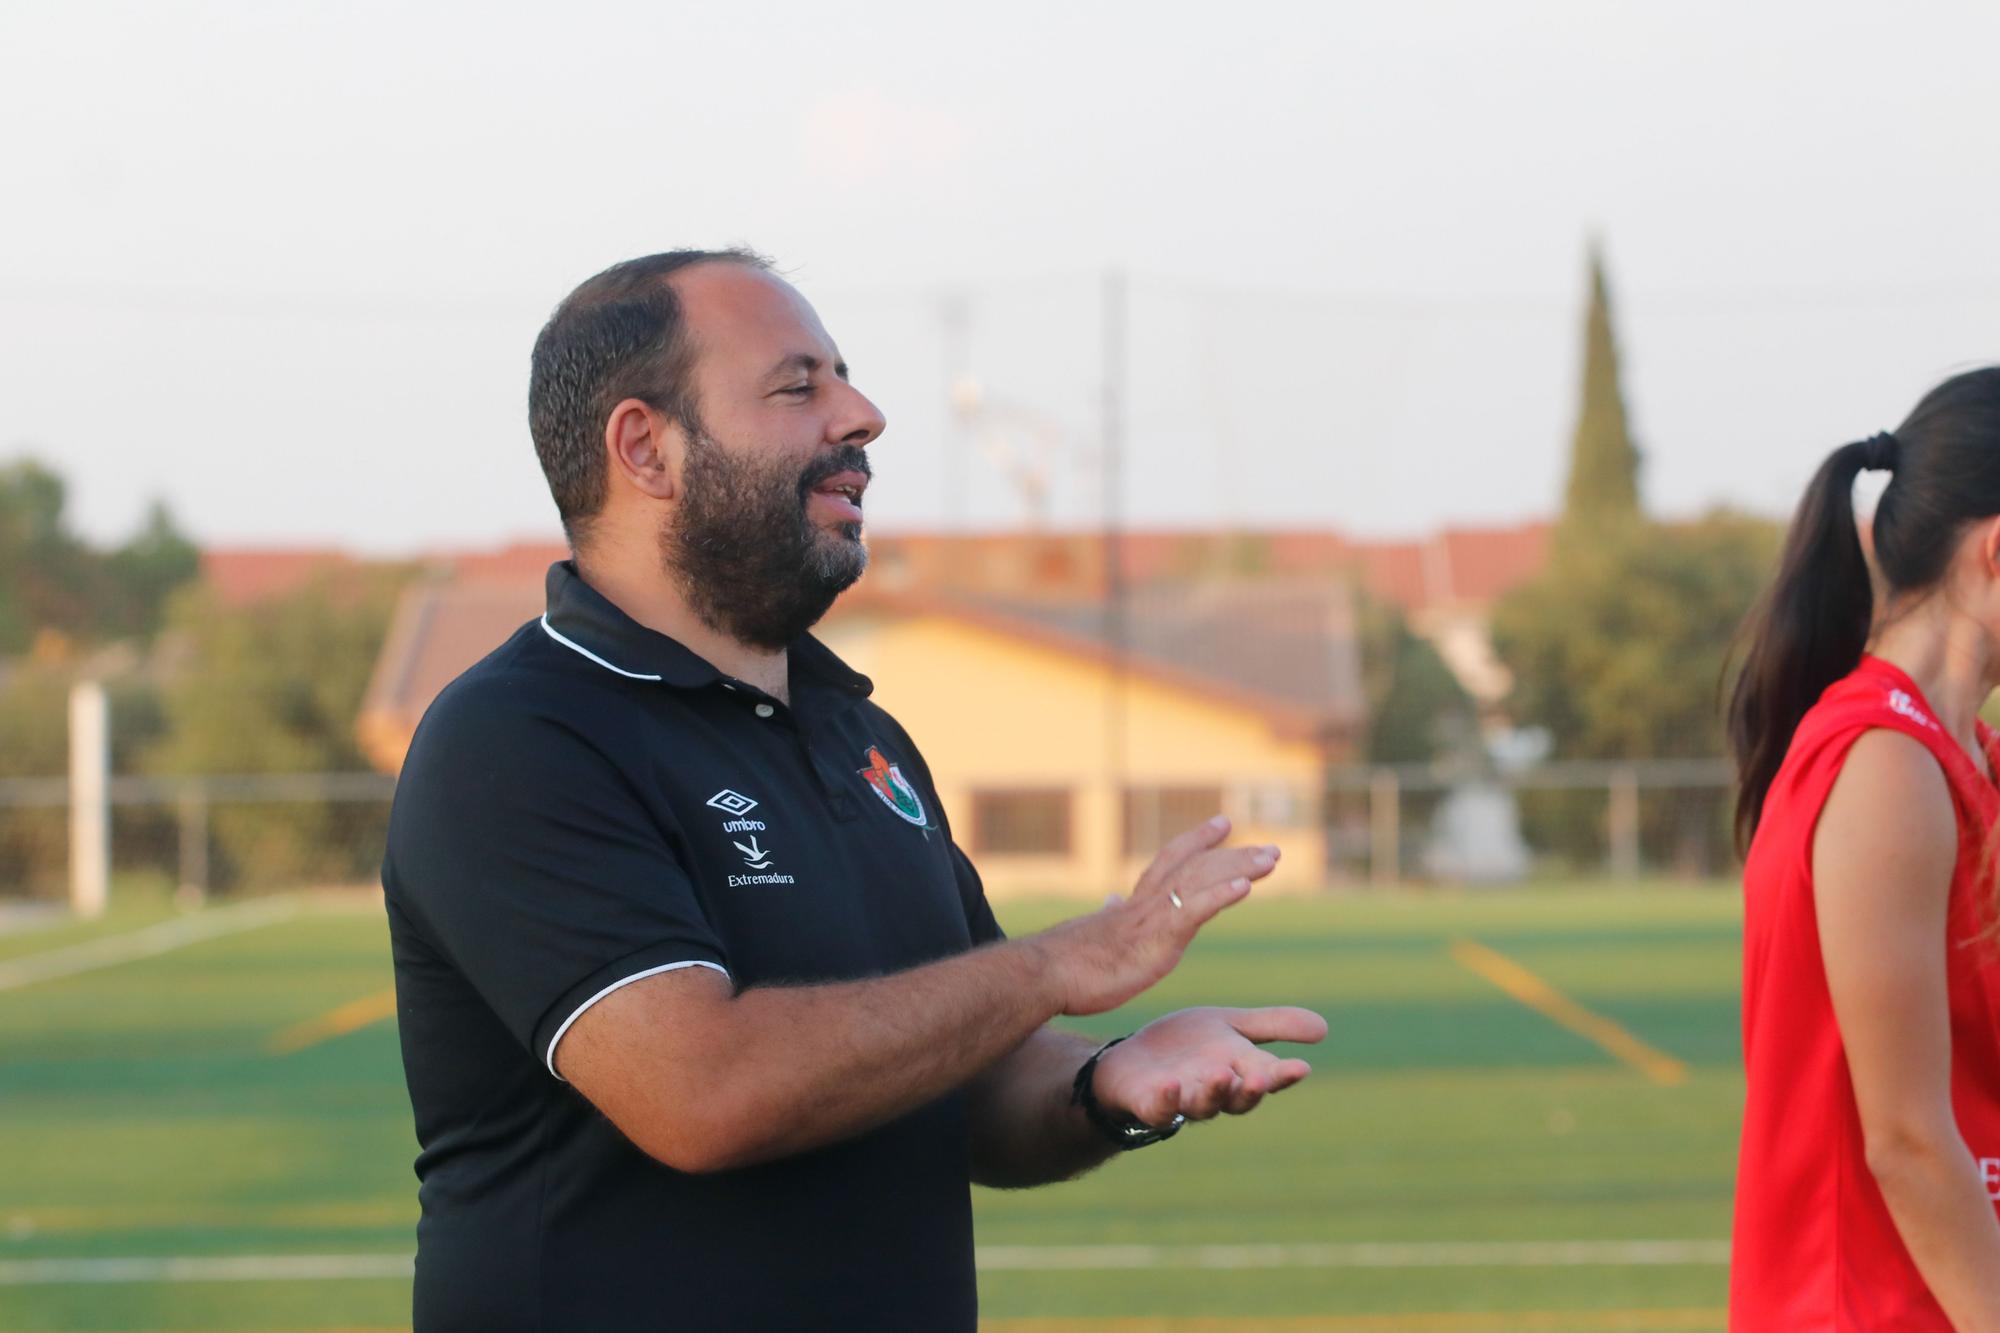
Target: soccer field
x=1524 y=1118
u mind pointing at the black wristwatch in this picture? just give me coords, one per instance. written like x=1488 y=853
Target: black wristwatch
x=1124 y=1135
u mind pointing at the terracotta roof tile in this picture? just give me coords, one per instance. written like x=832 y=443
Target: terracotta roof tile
x=1285 y=648
x=441 y=627
x=242 y=575
x=1263 y=618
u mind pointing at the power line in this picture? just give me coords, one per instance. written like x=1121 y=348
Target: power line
x=268 y=305
x=1381 y=304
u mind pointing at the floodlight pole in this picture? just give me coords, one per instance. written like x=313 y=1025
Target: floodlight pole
x=1116 y=629
x=955 y=324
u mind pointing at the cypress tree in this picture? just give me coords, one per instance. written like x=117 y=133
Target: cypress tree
x=1603 y=489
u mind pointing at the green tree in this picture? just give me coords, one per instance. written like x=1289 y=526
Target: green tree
x=144 y=572
x=45 y=572
x=275 y=687
x=1617 y=649
x=1603 y=487
x=1619 y=653
x=50 y=579
x=1618 y=656
x=1416 y=707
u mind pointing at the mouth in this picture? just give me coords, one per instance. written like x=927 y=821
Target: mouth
x=840 y=495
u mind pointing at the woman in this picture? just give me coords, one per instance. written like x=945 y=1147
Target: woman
x=1871 y=1007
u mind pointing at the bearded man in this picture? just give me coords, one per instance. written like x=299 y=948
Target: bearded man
x=706 y=1021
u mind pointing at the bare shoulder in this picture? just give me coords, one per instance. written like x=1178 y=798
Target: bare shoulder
x=1890 y=810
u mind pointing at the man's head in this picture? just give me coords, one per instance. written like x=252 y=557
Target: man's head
x=695 y=397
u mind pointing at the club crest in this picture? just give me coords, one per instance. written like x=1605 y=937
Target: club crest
x=887 y=781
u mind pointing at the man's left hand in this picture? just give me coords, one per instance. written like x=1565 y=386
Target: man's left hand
x=1202 y=1062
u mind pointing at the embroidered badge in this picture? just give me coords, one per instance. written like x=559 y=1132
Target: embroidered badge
x=887 y=781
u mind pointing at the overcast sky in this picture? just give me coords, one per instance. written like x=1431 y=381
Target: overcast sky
x=281 y=263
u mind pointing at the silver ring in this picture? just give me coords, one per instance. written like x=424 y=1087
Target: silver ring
x=1173 y=898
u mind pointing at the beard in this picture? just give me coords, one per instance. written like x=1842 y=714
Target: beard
x=744 y=550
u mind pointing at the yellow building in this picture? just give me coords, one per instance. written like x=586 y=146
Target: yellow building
x=1062 y=764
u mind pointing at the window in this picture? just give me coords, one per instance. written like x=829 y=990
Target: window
x=1021 y=822
x=1155 y=814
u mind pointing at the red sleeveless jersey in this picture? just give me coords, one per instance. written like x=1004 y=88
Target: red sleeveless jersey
x=1815 y=1247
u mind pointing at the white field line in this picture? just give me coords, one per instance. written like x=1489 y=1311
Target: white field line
x=1414 y=1254
x=149 y=942
x=216 y=1268
x=1446 y=1254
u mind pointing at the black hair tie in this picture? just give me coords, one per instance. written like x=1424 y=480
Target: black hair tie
x=1881 y=453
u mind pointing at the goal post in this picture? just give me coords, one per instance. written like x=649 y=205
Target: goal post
x=89 y=800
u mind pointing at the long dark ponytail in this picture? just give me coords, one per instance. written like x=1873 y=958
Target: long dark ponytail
x=1813 y=622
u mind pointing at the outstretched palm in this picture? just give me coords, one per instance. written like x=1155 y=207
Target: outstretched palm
x=1203 y=1062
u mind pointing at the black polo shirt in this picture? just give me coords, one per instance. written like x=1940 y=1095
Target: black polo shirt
x=593 y=804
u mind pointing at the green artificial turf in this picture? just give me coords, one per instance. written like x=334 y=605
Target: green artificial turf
x=143 y=1113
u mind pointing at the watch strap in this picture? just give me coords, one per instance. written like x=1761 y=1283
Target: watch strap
x=1122 y=1133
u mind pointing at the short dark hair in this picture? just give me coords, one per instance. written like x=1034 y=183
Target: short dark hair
x=620 y=335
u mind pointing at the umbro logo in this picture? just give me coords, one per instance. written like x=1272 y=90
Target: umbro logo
x=756 y=856
x=732 y=803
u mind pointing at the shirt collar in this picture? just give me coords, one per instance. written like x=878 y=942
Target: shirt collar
x=811 y=657
x=583 y=620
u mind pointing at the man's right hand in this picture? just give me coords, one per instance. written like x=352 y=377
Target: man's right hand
x=704 y=1077
x=1100 y=961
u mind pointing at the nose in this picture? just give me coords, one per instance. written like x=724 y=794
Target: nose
x=857 y=421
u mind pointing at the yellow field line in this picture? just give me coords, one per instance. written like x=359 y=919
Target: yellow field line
x=1507 y=1321
x=1546 y=1000
x=349 y=1017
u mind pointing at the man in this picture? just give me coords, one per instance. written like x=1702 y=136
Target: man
x=706 y=1021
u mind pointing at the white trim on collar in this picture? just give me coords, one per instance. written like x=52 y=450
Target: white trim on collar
x=574 y=646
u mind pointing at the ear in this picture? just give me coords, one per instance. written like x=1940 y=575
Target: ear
x=1987 y=533
x=645 y=448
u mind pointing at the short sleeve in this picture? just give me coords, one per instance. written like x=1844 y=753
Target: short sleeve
x=522 y=849
x=972 y=896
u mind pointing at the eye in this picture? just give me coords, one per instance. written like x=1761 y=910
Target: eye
x=800 y=389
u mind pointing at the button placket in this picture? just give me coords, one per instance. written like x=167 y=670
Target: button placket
x=825 y=778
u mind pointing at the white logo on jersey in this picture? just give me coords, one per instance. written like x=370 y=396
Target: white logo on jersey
x=1902 y=703
x=732 y=803
x=754 y=856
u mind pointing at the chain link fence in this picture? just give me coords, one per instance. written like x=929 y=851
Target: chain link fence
x=1383 y=826
x=1648 y=818
x=198 y=835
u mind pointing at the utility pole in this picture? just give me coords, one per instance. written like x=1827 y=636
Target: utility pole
x=955 y=324
x=1116 y=629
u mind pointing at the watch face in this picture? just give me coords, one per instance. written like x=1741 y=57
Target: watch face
x=1138 y=1136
